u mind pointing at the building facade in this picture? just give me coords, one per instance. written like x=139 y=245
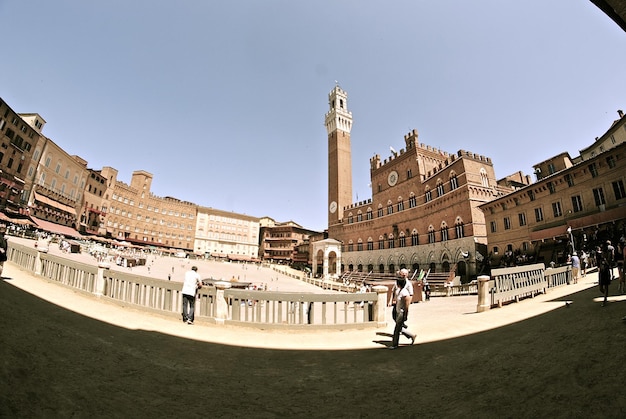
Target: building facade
x=137 y=216
x=225 y=234
x=56 y=191
x=575 y=204
x=19 y=136
x=96 y=202
x=58 y=184
x=285 y=242
x=424 y=212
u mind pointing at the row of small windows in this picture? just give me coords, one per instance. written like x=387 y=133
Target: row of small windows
x=613 y=142
x=57 y=170
x=147 y=219
x=557 y=210
x=390 y=241
x=569 y=180
x=164 y=211
x=61 y=191
x=166 y=234
x=400 y=206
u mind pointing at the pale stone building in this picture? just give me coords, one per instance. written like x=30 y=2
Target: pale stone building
x=225 y=234
x=576 y=204
x=58 y=183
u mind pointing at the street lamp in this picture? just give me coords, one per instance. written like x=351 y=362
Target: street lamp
x=571 y=239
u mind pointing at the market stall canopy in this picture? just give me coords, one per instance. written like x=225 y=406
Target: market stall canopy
x=20 y=221
x=56 y=228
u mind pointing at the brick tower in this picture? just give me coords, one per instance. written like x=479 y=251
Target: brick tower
x=338 y=125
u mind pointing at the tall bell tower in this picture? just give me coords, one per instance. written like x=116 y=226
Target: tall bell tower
x=338 y=126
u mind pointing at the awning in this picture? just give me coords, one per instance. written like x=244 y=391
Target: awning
x=7 y=182
x=21 y=221
x=548 y=233
x=56 y=228
x=55 y=204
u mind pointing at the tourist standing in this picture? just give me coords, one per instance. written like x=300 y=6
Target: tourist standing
x=584 y=262
x=621 y=267
x=575 y=267
x=3 y=247
x=191 y=284
x=610 y=254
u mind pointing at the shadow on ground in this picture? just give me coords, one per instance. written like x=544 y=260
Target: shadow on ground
x=56 y=363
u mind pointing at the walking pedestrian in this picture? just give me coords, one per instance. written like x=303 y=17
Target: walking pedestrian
x=402 y=302
x=605 y=275
x=191 y=284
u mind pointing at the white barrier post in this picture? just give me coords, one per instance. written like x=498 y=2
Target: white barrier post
x=484 y=302
x=221 y=305
x=380 y=310
x=102 y=266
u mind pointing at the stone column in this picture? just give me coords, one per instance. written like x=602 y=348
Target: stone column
x=380 y=307
x=221 y=305
x=38 y=262
x=102 y=266
x=484 y=299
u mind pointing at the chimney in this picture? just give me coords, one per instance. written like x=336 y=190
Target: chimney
x=620 y=113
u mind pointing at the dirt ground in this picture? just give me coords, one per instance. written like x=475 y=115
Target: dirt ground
x=57 y=363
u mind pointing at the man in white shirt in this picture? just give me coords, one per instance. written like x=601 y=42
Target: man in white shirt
x=191 y=285
x=403 y=300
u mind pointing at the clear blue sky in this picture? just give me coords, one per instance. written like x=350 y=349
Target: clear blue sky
x=224 y=101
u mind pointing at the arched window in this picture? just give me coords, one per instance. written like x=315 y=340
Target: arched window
x=402 y=240
x=459 y=228
x=484 y=180
x=440 y=189
x=431 y=234
x=454 y=182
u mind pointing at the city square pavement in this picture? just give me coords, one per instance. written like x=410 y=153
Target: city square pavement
x=67 y=354
x=438 y=319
